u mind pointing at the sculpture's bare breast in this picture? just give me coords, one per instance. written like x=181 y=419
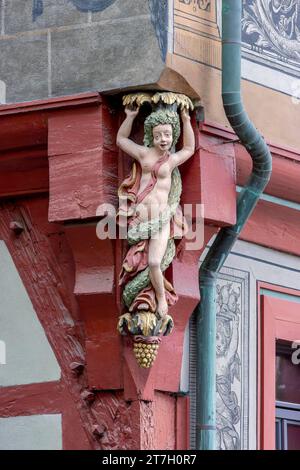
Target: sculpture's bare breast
x=157 y=200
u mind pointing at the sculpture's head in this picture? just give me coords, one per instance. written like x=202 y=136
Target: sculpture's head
x=162 y=130
x=162 y=137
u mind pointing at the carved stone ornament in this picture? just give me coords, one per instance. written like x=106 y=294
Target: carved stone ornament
x=149 y=210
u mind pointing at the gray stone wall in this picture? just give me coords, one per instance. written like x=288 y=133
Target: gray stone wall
x=60 y=47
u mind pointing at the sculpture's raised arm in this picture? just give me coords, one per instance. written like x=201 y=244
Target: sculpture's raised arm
x=188 y=148
x=127 y=145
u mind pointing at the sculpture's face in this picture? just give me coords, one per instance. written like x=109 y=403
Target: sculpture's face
x=162 y=137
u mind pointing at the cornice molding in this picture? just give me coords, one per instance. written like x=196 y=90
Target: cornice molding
x=218 y=130
x=62 y=102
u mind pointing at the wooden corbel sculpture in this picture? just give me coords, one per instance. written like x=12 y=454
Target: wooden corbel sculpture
x=150 y=211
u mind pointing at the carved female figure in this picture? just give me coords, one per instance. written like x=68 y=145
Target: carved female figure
x=156 y=164
x=149 y=199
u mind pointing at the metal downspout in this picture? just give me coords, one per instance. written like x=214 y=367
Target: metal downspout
x=220 y=249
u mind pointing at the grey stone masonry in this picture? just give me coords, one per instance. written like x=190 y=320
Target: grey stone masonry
x=24 y=67
x=60 y=47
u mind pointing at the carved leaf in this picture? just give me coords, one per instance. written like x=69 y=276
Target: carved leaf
x=146 y=323
x=125 y=323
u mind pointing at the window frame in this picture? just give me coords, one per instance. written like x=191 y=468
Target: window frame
x=286 y=413
x=279 y=320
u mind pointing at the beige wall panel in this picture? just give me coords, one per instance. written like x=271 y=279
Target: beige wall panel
x=197 y=57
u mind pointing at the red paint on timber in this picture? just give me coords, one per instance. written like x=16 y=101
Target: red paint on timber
x=25 y=125
x=22 y=171
x=82 y=162
x=209 y=178
x=121 y=419
x=218 y=185
x=182 y=423
x=44 y=263
x=23 y=131
x=284 y=182
x=273 y=226
x=61 y=102
x=275 y=288
x=31 y=399
x=226 y=134
x=74 y=131
x=164 y=422
x=285 y=178
x=23 y=141
x=279 y=320
x=94 y=290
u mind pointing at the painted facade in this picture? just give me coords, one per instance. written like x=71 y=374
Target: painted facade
x=63 y=368
x=246 y=269
x=270 y=62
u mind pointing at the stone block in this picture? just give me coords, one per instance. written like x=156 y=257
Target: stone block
x=106 y=56
x=24 y=67
x=1 y=18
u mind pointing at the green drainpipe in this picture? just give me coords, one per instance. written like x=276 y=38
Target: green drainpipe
x=220 y=249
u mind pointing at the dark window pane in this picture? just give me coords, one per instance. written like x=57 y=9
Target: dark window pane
x=293 y=436
x=287 y=378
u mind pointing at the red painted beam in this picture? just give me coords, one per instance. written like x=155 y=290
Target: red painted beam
x=42 y=398
x=24 y=171
x=24 y=141
x=285 y=177
x=273 y=226
x=209 y=178
x=61 y=102
x=82 y=162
